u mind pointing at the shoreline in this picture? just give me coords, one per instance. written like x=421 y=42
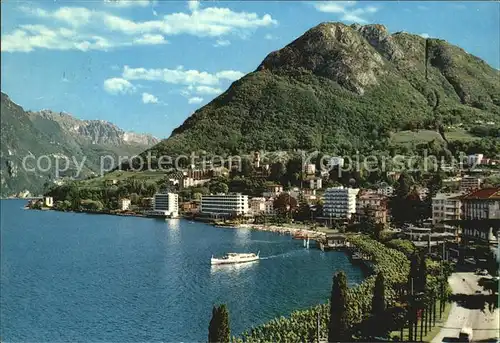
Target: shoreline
x=282 y=230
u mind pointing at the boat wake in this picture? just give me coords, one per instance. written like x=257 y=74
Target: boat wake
x=285 y=254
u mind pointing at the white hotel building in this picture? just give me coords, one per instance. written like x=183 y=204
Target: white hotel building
x=339 y=202
x=225 y=204
x=166 y=204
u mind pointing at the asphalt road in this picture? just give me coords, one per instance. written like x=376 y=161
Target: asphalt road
x=485 y=324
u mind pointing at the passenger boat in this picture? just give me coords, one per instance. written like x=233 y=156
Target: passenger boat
x=233 y=257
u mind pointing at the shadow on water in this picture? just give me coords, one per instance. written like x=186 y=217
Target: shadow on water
x=476 y=301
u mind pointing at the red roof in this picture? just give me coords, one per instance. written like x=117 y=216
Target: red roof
x=485 y=193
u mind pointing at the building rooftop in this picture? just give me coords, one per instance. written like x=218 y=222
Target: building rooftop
x=444 y=196
x=485 y=193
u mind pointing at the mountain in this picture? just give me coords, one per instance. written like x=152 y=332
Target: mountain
x=338 y=88
x=27 y=136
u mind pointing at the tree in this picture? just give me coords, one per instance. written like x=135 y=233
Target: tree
x=218 y=329
x=277 y=171
x=218 y=187
x=377 y=325
x=285 y=204
x=378 y=300
x=338 y=327
x=246 y=167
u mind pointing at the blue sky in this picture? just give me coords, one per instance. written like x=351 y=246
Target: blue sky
x=147 y=65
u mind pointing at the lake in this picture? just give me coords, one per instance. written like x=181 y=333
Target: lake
x=82 y=277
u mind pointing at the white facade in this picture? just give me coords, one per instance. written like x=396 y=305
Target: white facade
x=225 y=204
x=310 y=169
x=446 y=207
x=476 y=159
x=124 y=204
x=166 y=204
x=316 y=183
x=191 y=182
x=340 y=202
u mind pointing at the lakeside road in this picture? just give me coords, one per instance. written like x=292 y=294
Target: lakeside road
x=485 y=324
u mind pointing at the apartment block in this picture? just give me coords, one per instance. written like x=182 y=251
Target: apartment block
x=340 y=202
x=225 y=204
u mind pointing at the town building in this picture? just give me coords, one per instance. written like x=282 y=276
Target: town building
x=111 y=182
x=470 y=183
x=147 y=203
x=190 y=206
x=386 y=190
x=48 y=201
x=316 y=183
x=124 y=204
x=445 y=207
x=192 y=182
x=374 y=205
x=339 y=202
x=474 y=160
x=257 y=205
x=310 y=169
x=482 y=204
x=336 y=161
x=256 y=159
x=269 y=207
x=273 y=191
x=166 y=204
x=225 y=204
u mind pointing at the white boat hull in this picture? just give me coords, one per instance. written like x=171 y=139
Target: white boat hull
x=235 y=258
x=221 y=261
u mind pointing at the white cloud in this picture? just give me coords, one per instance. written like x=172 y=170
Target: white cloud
x=269 y=36
x=180 y=76
x=118 y=86
x=207 y=90
x=211 y=21
x=149 y=39
x=231 y=75
x=114 y=30
x=30 y=37
x=346 y=9
x=149 y=98
x=195 y=100
x=424 y=35
x=127 y=3
x=193 y=5
x=74 y=16
x=222 y=42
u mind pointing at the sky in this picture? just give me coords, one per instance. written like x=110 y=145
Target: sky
x=147 y=65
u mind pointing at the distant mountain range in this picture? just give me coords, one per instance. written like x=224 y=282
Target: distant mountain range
x=35 y=134
x=340 y=88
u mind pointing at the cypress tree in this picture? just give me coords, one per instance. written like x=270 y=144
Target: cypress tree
x=378 y=300
x=218 y=329
x=377 y=322
x=338 y=329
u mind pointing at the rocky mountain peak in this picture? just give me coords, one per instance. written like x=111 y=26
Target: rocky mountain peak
x=338 y=52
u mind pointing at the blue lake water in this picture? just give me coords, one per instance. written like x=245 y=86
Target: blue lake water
x=79 y=277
